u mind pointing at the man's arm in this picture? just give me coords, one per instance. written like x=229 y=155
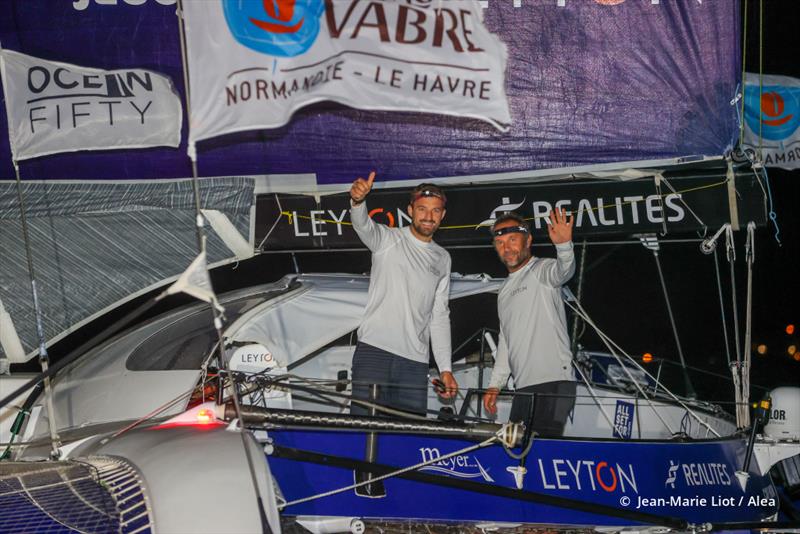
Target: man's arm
x=370 y=232
x=500 y=374
x=557 y=273
x=440 y=335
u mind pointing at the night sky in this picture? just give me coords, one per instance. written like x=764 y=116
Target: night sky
x=621 y=286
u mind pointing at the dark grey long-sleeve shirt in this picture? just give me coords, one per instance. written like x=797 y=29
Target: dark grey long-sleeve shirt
x=534 y=345
x=409 y=287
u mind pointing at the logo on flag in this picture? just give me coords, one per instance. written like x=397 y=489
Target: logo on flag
x=779 y=110
x=57 y=107
x=772 y=119
x=253 y=63
x=282 y=28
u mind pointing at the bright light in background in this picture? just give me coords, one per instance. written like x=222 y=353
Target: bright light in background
x=761 y=349
x=792 y=350
x=797 y=356
x=790 y=329
x=647 y=357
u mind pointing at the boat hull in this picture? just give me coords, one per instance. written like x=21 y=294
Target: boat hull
x=691 y=481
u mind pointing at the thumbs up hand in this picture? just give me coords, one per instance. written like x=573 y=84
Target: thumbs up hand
x=361 y=188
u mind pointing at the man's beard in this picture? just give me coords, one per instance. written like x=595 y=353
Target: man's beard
x=427 y=232
x=518 y=260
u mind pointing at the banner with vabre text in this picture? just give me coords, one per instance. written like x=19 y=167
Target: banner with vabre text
x=253 y=63
x=56 y=107
x=589 y=83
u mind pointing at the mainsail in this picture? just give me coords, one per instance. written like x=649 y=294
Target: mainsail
x=590 y=88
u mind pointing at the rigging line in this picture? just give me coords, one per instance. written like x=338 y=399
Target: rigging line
x=660 y=195
x=576 y=323
x=622 y=365
x=201 y=243
x=368 y=404
x=290 y=215
x=680 y=197
x=658 y=383
x=44 y=360
x=688 y=383
x=722 y=309
x=750 y=255
x=521 y=496
x=760 y=80
x=773 y=216
x=636 y=364
x=730 y=251
x=755 y=166
x=744 y=75
x=277 y=220
x=165 y=406
x=592 y=393
x=390 y=474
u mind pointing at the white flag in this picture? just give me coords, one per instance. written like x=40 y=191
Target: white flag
x=57 y=107
x=772 y=119
x=252 y=63
x=195 y=282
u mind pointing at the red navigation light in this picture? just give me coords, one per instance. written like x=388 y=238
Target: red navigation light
x=205 y=416
x=647 y=357
x=790 y=329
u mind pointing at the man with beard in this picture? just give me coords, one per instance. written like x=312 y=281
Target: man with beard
x=533 y=344
x=407 y=305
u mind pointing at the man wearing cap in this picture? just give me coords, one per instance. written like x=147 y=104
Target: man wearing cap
x=533 y=344
x=407 y=304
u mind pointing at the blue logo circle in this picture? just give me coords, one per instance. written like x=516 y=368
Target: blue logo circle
x=283 y=28
x=778 y=110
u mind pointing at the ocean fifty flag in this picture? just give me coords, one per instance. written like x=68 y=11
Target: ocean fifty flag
x=252 y=63
x=56 y=107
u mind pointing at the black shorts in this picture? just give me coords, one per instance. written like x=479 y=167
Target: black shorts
x=402 y=383
x=552 y=405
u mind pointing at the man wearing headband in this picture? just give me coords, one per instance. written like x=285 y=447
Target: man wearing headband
x=407 y=305
x=534 y=345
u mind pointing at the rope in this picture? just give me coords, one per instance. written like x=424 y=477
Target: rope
x=744 y=74
x=736 y=366
x=610 y=341
x=593 y=394
x=686 y=205
x=290 y=215
x=722 y=308
x=689 y=389
x=44 y=360
x=750 y=255
x=760 y=79
x=772 y=215
x=606 y=340
x=498 y=437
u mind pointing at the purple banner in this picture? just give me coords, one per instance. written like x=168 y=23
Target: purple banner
x=589 y=82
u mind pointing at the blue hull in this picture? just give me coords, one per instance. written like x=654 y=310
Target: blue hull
x=691 y=481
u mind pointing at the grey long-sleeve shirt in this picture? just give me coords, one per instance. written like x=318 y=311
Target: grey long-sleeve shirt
x=409 y=288
x=534 y=345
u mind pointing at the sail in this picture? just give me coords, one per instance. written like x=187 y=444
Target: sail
x=591 y=86
x=589 y=83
